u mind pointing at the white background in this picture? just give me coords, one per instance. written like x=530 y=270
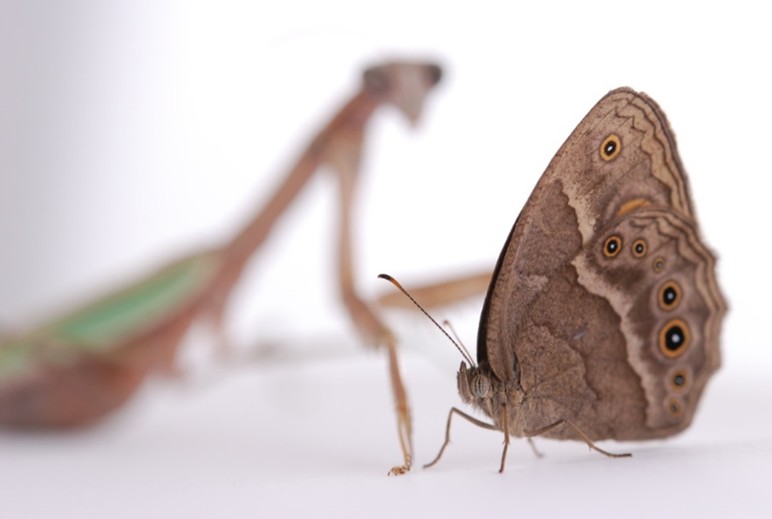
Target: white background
x=132 y=132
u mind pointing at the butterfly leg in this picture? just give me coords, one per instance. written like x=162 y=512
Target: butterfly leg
x=469 y=418
x=536 y=452
x=584 y=437
x=505 y=423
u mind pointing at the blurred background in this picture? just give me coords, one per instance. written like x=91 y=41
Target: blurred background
x=134 y=132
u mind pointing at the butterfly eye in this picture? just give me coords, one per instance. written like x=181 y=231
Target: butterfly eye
x=669 y=295
x=639 y=248
x=674 y=338
x=480 y=386
x=610 y=147
x=612 y=246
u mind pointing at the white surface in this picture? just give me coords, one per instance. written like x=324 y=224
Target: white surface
x=315 y=438
x=131 y=132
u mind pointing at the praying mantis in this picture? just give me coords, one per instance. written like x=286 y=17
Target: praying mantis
x=77 y=368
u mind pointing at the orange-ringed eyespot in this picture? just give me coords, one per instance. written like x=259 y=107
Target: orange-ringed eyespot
x=612 y=246
x=639 y=248
x=679 y=380
x=610 y=147
x=669 y=295
x=674 y=338
x=675 y=407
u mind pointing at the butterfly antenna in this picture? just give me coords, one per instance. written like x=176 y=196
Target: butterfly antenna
x=462 y=350
x=467 y=356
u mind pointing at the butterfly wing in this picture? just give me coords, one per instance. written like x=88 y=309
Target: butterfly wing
x=550 y=325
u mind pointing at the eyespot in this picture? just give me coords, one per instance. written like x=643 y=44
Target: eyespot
x=679 y=380
x=658 y=265
x=675 y=407
x=639 y=248
x=669 y=295
x=610 y=147
x=674 y=338
x=480 y=386
x=612 y=246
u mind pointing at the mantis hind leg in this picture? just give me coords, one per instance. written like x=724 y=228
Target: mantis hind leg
x=441 y=293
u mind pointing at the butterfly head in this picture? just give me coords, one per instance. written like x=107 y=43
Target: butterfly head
x=480 y=388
